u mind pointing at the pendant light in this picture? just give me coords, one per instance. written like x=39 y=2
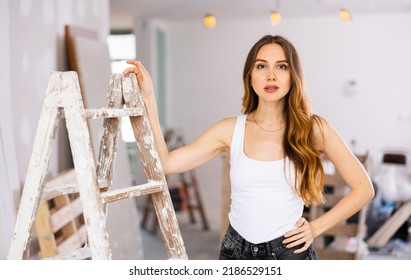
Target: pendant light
x=345 y=15
x=210 y=21
x=275 y=18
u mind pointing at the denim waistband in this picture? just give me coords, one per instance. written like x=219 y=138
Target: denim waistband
x=269 y=246
x=234 y=246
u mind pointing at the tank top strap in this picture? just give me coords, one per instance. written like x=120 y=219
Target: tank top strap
x=237 y=142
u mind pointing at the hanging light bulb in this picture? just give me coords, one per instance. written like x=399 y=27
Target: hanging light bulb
x=275 y=18
x=210 y=21
x=345 y=15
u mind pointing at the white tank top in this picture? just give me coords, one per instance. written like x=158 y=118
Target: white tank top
x=264 y=204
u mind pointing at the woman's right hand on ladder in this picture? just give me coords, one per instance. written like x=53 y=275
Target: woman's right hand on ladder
x=144 y=80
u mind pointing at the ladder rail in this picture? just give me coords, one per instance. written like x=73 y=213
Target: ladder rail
x=110 y=134
x=150 y=160
x=37 y=169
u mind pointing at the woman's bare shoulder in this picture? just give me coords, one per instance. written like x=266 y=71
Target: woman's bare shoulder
x=227 y=122
x=225 y=129
x=321 y=128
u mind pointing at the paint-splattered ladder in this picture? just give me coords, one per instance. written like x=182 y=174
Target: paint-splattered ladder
x=63 y=100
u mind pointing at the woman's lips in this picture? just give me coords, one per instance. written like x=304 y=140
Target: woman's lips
x=271 y=89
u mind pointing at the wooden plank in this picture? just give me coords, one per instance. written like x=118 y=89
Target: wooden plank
x=37 y=169
x=69 y=227
x=54 y=191
x=74 y=241
x=46 y=219
x=111 y=113
x=44 y=231
x=66 y=214
x=130 y=192
x=63 y=178
x=152 y=167
x=79 y=254
x=387 y=230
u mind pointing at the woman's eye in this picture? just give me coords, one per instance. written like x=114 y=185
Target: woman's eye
x=260 y=66
x=282 y=66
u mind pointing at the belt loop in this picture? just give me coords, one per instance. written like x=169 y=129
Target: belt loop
x=242 y=245
x=268 y=248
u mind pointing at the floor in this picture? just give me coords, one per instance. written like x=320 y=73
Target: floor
x=200 y=243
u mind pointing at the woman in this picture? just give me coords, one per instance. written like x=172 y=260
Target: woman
x=274 y=149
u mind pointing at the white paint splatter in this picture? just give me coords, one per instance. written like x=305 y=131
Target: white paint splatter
x=25 y=7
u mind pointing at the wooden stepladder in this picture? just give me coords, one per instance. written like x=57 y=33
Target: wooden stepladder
x=64 y=100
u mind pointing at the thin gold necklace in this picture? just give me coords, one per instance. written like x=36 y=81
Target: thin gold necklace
x=267 y=130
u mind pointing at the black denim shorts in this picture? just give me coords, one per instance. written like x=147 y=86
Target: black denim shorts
x=235 y=247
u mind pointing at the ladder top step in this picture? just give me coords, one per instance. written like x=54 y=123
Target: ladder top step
x=130 y=192
x=108 y=113
x=112 y=113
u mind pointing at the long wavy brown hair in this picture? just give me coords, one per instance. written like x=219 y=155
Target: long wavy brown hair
x=298 y=141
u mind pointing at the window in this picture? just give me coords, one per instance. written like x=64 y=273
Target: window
x=122 y=47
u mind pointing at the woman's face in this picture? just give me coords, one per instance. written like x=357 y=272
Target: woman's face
x=270 y=76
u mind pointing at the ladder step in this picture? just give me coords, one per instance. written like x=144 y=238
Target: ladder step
x=107 y=113
x=79 y=254
x=130 y=192
x=112 y=113
x=55 y=190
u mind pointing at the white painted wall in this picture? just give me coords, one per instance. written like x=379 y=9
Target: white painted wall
x=9 y=178
x=205 y=75
x=38 y=48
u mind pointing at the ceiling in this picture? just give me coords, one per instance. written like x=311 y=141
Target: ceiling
x=122 y=12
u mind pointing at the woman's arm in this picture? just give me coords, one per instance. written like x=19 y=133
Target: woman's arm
x=353 y=173
x=210 y=144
